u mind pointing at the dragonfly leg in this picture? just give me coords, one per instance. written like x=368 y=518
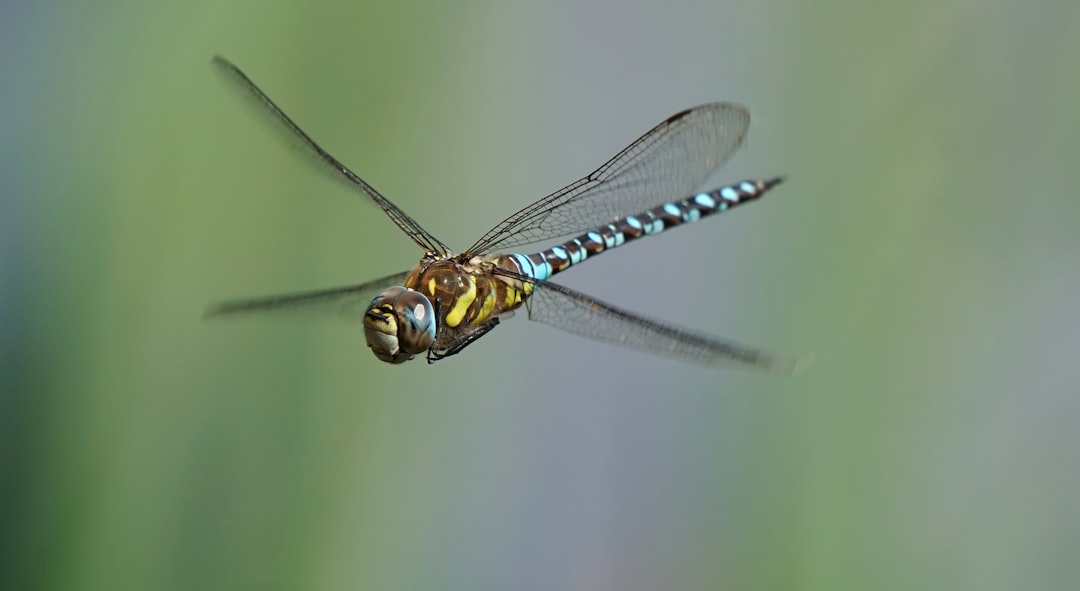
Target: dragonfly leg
x=461 y=341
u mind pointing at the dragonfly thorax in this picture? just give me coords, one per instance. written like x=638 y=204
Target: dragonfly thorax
x=398 y=324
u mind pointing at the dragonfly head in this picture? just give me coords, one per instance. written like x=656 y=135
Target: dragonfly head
x=398 y=324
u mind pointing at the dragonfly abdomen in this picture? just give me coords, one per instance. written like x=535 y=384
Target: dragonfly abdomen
x=544 y=264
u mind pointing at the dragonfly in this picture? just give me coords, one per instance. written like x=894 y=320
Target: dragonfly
x=449 y=300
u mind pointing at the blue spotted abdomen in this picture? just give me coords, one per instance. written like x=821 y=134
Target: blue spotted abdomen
x=544 y=264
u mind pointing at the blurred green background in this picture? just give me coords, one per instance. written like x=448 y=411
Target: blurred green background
x=924 y=252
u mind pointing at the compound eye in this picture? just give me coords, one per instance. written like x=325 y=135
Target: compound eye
x=398 y=324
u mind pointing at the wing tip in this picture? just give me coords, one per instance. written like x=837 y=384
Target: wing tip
x=217 y=310
x=222 y=62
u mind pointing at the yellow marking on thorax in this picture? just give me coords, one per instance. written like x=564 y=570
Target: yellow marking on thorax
x=462 y=303
x=487 y=306
x=431 y=286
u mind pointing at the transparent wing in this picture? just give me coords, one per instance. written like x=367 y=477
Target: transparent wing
x=421 y=237
x=582 y=315
x=350 y=301
x=669 y=162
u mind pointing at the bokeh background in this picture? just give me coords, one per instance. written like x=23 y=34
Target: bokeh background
x=924 y=251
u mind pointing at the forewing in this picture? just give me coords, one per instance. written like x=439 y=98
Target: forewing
x=669 y=162
x=326 y=162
